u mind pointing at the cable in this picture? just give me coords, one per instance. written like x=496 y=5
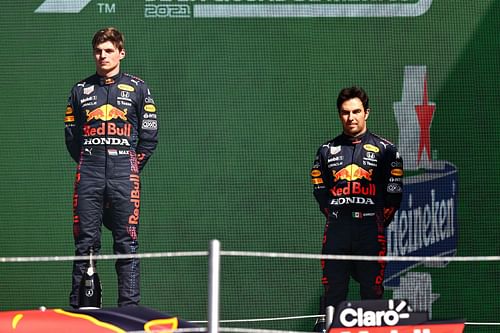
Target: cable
x=250 y=254
x=105 y=256
x=259 y=319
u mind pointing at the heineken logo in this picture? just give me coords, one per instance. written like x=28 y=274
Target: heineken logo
x=414 y=115
x=252 y=8
x=426 y=224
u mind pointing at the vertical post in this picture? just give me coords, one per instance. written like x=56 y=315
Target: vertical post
x=329 y=317
x=213 y=286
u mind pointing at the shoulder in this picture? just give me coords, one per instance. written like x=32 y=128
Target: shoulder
x=381 y=142
x=135 y=82
x=85 y=86
x=332 y=146
x=86 y=82
x=133 y=79
x=386 y=147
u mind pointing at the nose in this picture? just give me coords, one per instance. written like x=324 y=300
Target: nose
x=101 y=54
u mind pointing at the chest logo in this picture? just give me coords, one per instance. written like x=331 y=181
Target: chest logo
x=352 y=172
x=371 y=148
x=335 y=150
x=126 y=87
x=106 y=112
x=88 y=90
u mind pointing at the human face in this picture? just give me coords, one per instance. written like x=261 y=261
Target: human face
x=107 y=59
x=353 y=117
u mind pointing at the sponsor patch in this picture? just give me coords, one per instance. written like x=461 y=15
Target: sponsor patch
x=150 y=116
x=149 y=124
x=394 y=188
x=88 y=90
x=397 y=172
x=335 y=150
x=149 y=108
x=315 y=173
x=371 y=148
x=126 y=87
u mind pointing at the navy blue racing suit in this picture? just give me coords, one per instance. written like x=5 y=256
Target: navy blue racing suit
x=111 y=130
x=358 y=186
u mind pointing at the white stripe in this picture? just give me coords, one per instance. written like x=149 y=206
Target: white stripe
x=62 y=6
x=251 y=254
x=319 y=10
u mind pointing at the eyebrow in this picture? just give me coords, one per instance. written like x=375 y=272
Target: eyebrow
x=355 y=110
x=107 y=49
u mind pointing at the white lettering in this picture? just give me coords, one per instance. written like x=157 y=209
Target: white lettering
x=106 y=141
x=350 y=317
x=418 y=227
x=352 y=201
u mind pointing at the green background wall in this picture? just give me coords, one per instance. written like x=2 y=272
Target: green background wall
x=244 y=103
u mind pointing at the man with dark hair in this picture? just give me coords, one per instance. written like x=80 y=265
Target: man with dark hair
x=111 y=131
x=357 y=179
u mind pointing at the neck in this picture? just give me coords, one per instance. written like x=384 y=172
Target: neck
x=357 y=135
x=110 y=73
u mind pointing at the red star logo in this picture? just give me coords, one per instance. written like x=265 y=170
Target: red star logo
x=425 y=111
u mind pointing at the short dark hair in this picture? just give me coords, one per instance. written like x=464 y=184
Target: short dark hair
x=350 y=93
x=109 y=34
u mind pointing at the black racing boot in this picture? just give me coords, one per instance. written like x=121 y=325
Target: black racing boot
x=90 y=293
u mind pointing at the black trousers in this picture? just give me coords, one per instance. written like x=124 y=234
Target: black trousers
x=107 y=191
x=350 y=236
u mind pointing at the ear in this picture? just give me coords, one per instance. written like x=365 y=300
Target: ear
x=122 y=54
x=367 y=113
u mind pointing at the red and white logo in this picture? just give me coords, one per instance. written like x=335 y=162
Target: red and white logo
x=414 y=115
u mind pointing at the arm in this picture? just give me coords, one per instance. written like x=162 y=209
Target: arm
x=72 y=131
x=393 y=184
x=319 y=179
x=147 y=127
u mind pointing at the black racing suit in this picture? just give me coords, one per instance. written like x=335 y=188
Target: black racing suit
x=111 y=131
x=358 y=185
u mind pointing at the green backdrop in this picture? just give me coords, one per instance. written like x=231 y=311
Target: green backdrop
x=244 y=102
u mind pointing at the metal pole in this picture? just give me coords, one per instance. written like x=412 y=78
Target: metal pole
x=213 y=286
x=329 y=317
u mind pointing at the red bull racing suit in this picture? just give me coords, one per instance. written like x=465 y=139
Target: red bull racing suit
x=358 y=186
x=111 y=132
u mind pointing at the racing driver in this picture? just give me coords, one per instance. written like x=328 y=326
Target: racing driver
x=357 y=179
x=111 y=131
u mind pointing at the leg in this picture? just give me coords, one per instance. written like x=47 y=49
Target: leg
x=87 y=210
x=370 y=274
x=336 y=272
x=125 y=205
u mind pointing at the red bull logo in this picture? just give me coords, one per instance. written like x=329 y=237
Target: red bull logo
x=353 y=172
x=354 y=188
x=161 y=325
x=135 y=199
x=107 y=112
x=107 y=128
x=112 y=321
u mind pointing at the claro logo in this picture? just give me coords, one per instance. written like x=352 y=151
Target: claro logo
x=350 y=317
